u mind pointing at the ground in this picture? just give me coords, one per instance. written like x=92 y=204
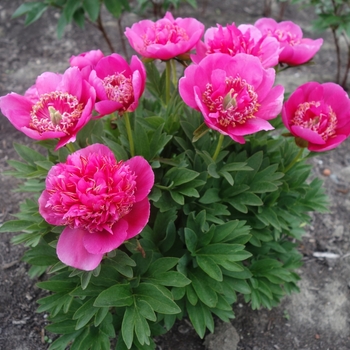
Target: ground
x=316 y=318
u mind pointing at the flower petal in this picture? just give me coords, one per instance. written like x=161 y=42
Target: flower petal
x=145 y=176
x=71 y=251
x=138 y=217
x=101 y=242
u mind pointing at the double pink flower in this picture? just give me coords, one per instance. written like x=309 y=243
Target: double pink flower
x=295 y=49
x=318 y=115
x=232 y=40
x=101 y=201
x=235 y=94
x=166 y=38
x=118 y=85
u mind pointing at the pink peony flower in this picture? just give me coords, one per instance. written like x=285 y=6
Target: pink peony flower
x=57 y=106
x=318 y=114
x=165 y=38
x=232 y=40
x=295 y=49
x=86 y=61
x=118 y=85
x=102 y=203
x=234 y=94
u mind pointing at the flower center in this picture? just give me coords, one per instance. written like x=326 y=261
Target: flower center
x=55 y=111
x=94 y=194
x=239 y=103
x=317 y=117
x=283 y=36
x=164 y=32
x=119 y=89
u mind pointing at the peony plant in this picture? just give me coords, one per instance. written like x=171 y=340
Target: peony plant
x=159 y=206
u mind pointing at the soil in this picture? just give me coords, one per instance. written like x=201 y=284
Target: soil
x=316 y=318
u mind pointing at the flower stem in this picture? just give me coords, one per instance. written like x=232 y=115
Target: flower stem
x=295 y=160
x=218 y=146
x=70 y=147
x=167 y=82
x=173 y=69
x=129 y=132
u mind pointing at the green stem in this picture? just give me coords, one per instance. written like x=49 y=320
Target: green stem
x=174 y=75
x=70 y=147
x=129 y=132
x=218 y=146
x=167 y=82
x=295 y=160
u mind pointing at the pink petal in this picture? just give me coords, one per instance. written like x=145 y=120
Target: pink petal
x=71 y=250
x=330 y=144
x=48 y=82
x=16 y=109
x=307 y=134
x=107 y=107
x=251 y=126
x=72 y=82
x=271 y=106
x=145 y=176
x=111 y=65
x=138 y=217
x=103 y=241
x=46 y=213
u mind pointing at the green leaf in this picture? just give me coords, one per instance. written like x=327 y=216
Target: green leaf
x=15 y=225
x=262 y=187
x=141 y=142
x=177 y=197
x=22 y=167
x=162 y=265
x=240 y=285
x=247 y=198
x=196 y=316
x=79 y=17
x=118 y=295
x=202 y=285
x=239 y=166
x=269 y=217
x=64 y=327
x=190 y=239
x=133 y=320
x=219 y=251
x=191 y=295
x=210 y=267
x=146 y=310
x=41 y=255
x=100 y=315
x=62 y=342
x=180 y=176
x=24 y=8
x=114 y=7
x=32 y=10
x=45 y=164
x=92 y=7
x=153 y=295
x=211 y=195
x=28 y=154
x=84 y=314
x=70 y=8
x=171 y=279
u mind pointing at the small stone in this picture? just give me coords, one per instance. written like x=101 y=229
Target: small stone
x=326 y=172
x=225 y=337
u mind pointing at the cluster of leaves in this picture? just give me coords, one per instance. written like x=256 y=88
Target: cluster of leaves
x=334 y=15
x=218 y=228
